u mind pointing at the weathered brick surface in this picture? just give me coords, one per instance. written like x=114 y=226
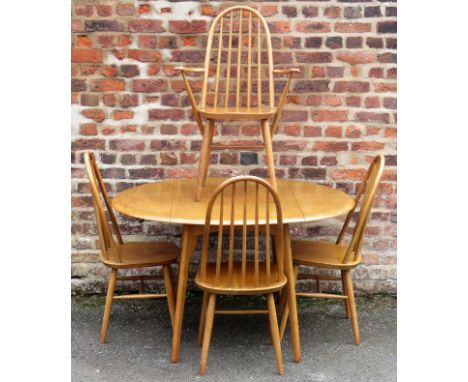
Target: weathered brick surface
x=129 y=106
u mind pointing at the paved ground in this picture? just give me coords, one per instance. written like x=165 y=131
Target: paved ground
x=139 y=341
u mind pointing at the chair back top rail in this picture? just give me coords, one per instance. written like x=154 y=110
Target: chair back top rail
x=245 y=192
x=240 y=53
x=366 y=192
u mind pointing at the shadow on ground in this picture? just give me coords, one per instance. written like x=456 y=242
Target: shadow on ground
x=139 y=342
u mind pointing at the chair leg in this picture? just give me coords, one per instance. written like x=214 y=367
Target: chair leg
x=352 y=306
x=284 y=318
x=283 y=306
x=346 y=302
x=204 y=161
x=211 y=126
x=275 y=332
x=207 y=333
x=108 y=306
x=269 y=152
x=169 y=291
x=202 y=318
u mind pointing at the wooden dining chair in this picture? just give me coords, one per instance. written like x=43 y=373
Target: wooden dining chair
x=117 y=255
x=339 y=256
x=237 y=84
x=252 y=204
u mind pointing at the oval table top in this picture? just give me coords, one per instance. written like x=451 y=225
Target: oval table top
x=172 y=201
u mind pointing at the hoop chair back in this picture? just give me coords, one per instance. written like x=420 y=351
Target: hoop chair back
x=366 y=192
x=98 y=190
x=252 y=204
x=239 y=55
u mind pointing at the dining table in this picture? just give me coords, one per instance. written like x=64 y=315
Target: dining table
x=172 y=201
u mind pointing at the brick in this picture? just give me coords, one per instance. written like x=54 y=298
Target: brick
x=269 y=10
x=365 y=116
x=372 y=102
x=84 y=41
x=107 y=85
x=383 y=87
x=121 y=114
x=168 y=145
x=307 y=86
x=249 y=158
x=104 y=10
x=309 y=161
x=310 y=11
x=125 y=9
x=391 y=11
x=294 y=116
x=296 y=145
x=387 y=58
x=109 y=70
x=97 y=115
x=189 y=56
x=333 y=131
x=390 y=103
x=313 y=57
x=128 y=100
x=129 y=70
x=88 y=129
x=313 y=27
x=86 y=55
x=88 y=144
x=127 y=145
x=352 y=12
x=84 y=10
x=313 y=42
x=387 y=27
x=145 y=55
x=89 y=99
x=374 y=42
x=103 y=26
x=335 y=72
x=289 y=11
x=354 y=42
x=149 y=86
x=332 y=12
x=372 y=12
x=391 y=43
x=335 y=42
x=356 y=58
x=353 y=27
x=145 y=26
x=312 y=131
x=168 y=158
x=351 y=87
x=279 y=26
x=288 y=160
x=185 y=27
x=165 y=114
x=367 y=146
x=330 y=146
x=78 y=85
x=146 y=173
x=329 y=115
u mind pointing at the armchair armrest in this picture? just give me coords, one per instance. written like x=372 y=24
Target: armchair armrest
x=286 y=71
x=190 y=70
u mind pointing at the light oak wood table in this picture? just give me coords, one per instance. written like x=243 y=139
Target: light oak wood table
x=171 y=201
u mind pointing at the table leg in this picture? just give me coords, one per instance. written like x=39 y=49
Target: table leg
x=189 y=243
x=291 y=290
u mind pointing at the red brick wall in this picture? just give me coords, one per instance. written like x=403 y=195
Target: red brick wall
x=129 y=106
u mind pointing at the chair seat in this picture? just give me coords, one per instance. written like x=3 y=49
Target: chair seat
x=249 y=288
x=235 y=114
x=322 y=254
x=142 y=254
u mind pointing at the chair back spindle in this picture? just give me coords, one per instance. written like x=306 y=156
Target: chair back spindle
x=366 y=192
x=251 y=204
x=239 y=52
x=99 y=192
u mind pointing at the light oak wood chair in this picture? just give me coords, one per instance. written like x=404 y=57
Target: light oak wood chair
x=339 y=256
x=252 y=204
x=237 y=84
x=116 y=254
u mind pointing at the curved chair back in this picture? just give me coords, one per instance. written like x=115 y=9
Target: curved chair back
x=98 y=189
x=250 y=203
x=239 y=54
x=366 y=191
